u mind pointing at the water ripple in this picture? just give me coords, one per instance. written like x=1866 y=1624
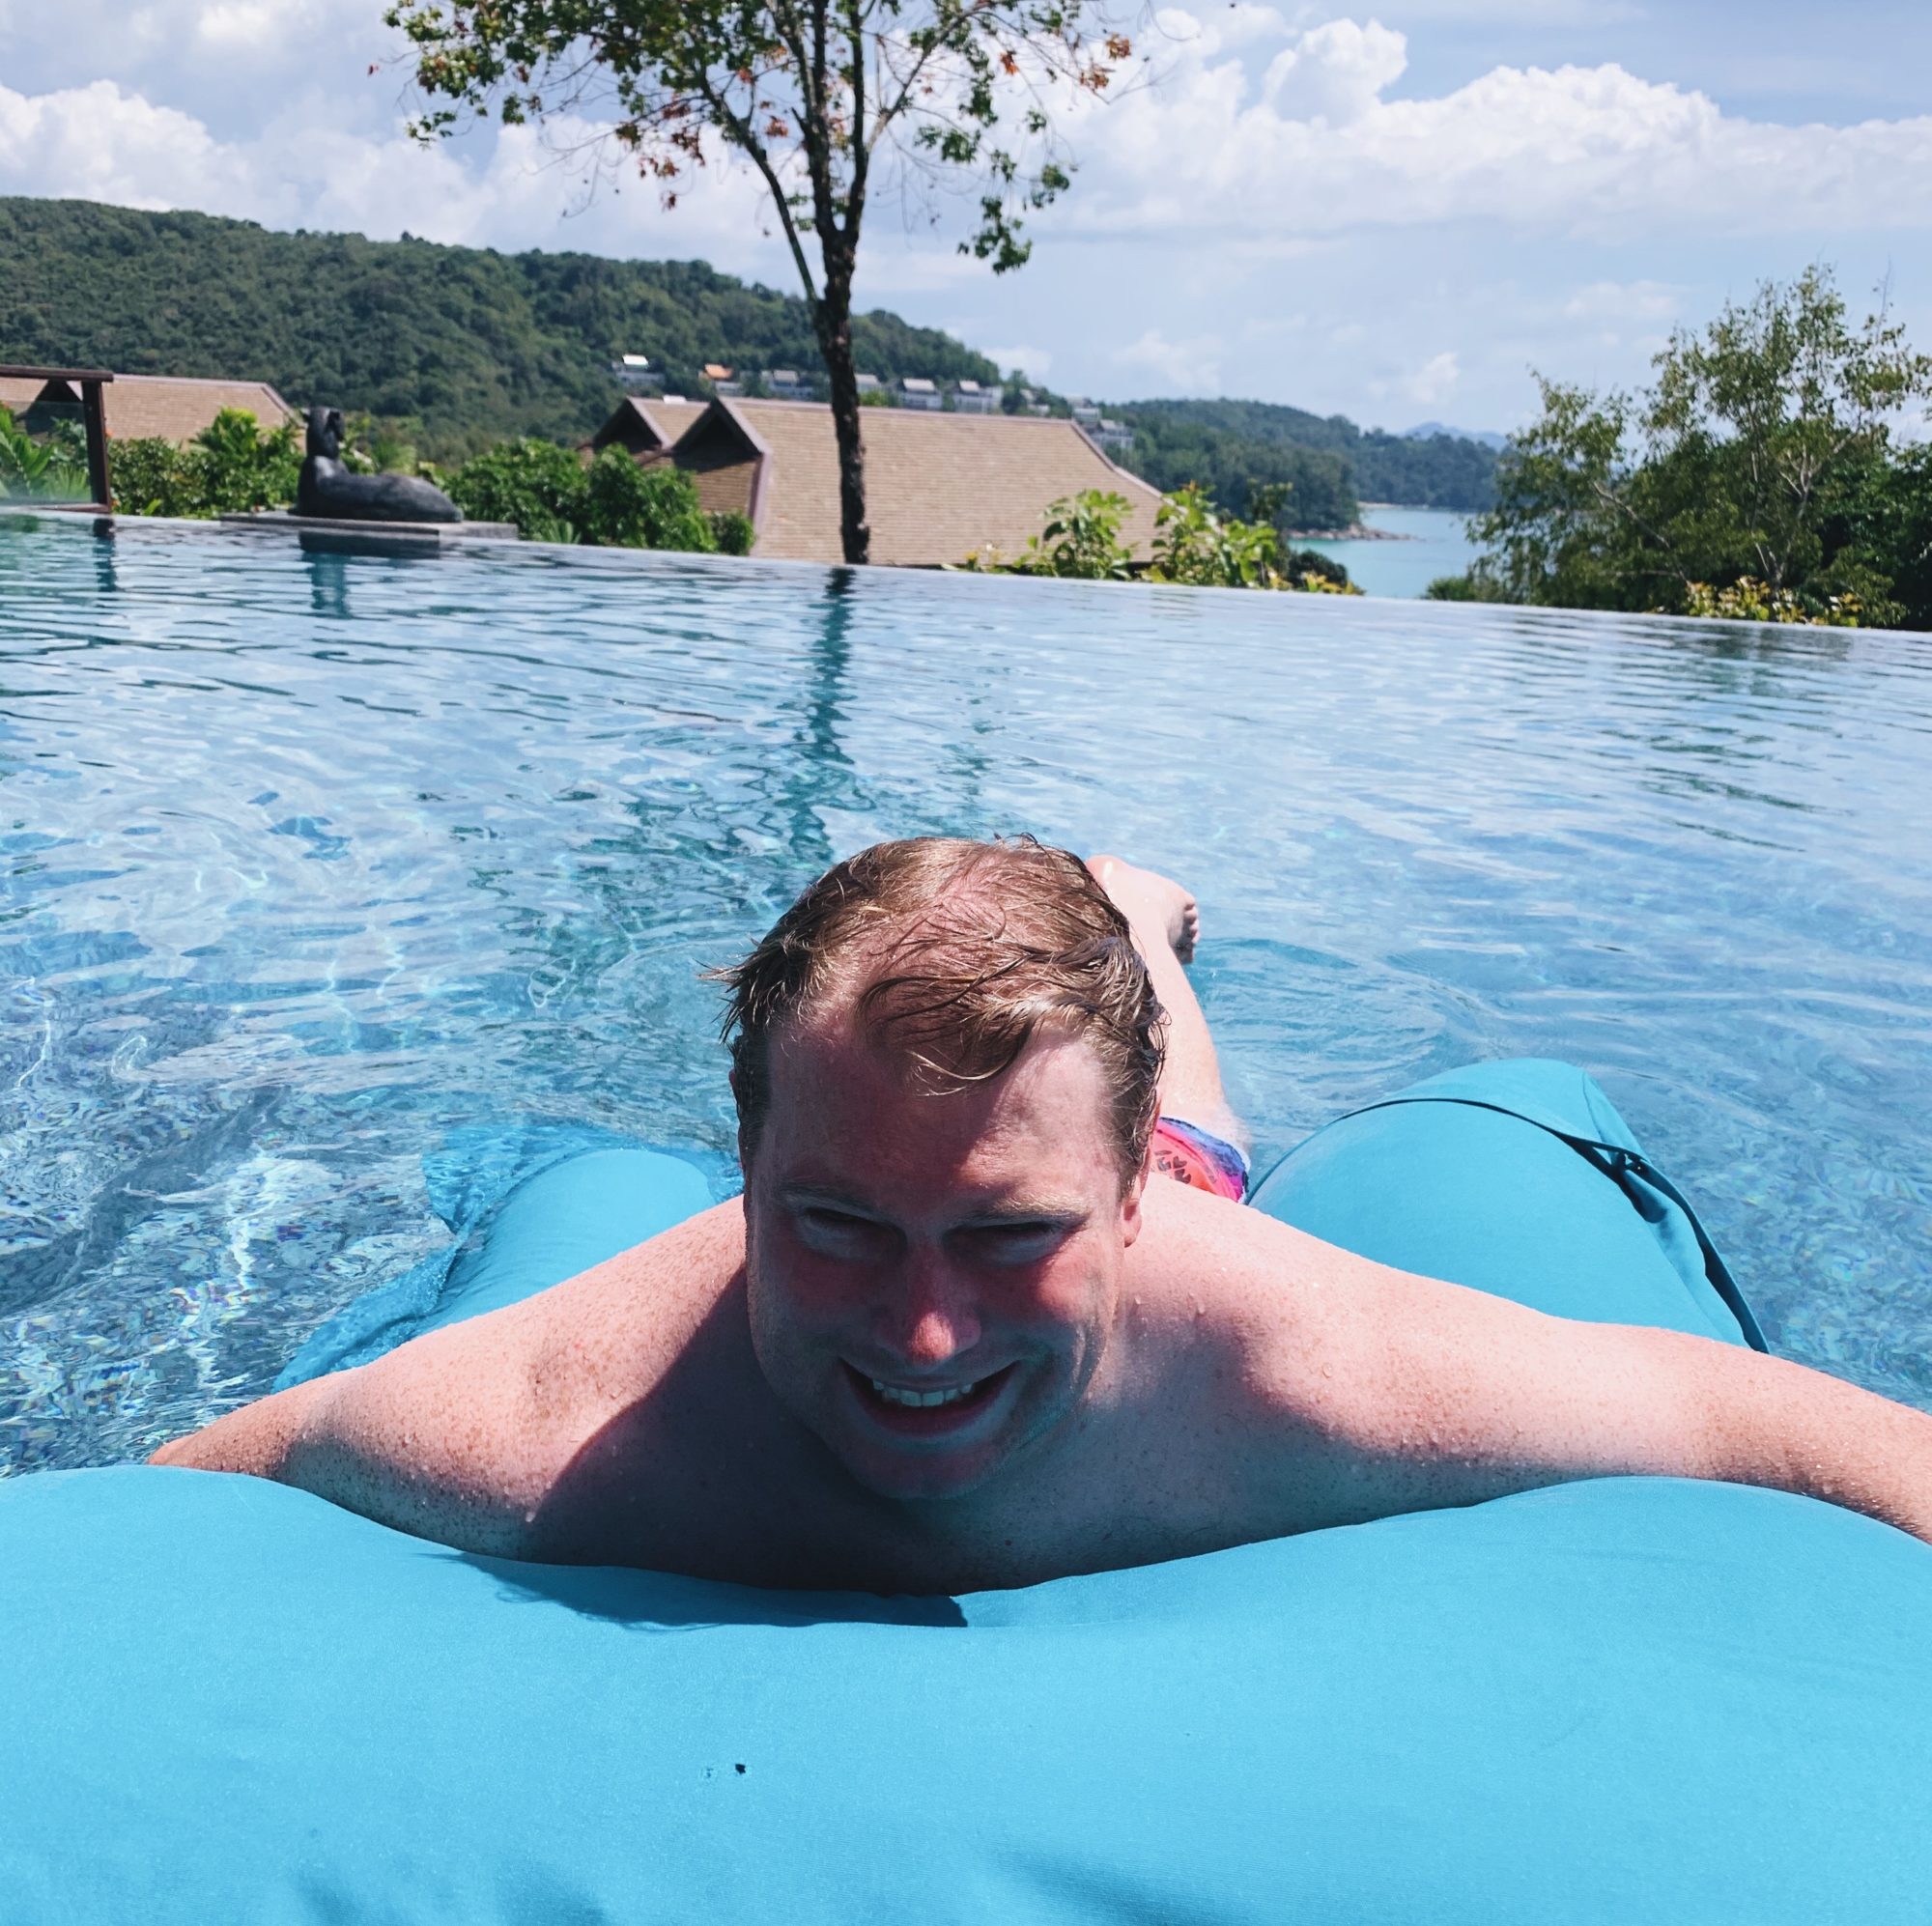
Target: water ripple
x=307 y=862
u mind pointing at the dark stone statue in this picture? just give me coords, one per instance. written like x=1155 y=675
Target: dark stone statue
x=328 y=489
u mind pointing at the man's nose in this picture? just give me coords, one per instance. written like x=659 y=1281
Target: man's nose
x=931 y=1315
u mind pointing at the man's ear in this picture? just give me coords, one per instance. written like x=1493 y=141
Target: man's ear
x=744 y=1135
x=1130 y=1202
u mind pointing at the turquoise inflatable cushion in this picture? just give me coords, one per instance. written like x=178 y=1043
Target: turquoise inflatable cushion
x=1626 y=1700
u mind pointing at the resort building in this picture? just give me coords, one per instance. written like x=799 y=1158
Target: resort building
x=139 y=405
x=635 y=372
x=938 y=486
x=915 y=391
x=975 y=398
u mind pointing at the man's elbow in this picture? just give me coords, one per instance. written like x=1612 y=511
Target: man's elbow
x=256 y=1440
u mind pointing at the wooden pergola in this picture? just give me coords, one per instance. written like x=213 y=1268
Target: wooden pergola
x=83 y=387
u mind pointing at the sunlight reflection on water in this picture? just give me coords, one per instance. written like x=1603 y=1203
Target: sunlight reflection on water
x=310 y=860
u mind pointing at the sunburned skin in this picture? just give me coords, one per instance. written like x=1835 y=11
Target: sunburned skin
x=1156 y=1372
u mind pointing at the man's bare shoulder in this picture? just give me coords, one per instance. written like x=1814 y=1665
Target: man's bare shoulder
x=599 y=1339
x=1236 y=1273
x=462 y=1433
x=1304 y=1338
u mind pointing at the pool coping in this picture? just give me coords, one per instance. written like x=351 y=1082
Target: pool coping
x=107 y=526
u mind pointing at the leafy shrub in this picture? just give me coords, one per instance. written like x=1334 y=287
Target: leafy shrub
x=1200 y=548
x=535 y=484
x=49 y=469
x=1749 y=600
x=1303 y=562
x=1474 y=586
x=152 y=476
x=1081 y=540
x=632 y=506
x=734 y=532
x=244 y=470
x=230 y=468
x=1196 y=546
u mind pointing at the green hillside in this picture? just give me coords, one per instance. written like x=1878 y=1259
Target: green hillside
x=461 y=347
x=1244 y=441
x=465 y=345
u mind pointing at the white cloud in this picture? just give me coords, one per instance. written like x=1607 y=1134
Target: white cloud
x=1192 y=366
x=1335 y=73
x=1312 y=145
x=1435 y=382
x=101 y=143
x=1623 y=301
x=97 y=142
x=1033 y=362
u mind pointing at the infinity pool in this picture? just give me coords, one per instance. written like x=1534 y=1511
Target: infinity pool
x=315 y=862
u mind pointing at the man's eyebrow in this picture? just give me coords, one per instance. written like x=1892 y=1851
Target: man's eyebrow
x=1007 y=1210
x=822 y=1193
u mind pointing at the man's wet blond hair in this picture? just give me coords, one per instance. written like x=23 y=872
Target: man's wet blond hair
x=955 y=955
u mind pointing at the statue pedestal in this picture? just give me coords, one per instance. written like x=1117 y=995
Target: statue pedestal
x=318 y=531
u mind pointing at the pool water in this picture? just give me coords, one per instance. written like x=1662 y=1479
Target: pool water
x=314 y=863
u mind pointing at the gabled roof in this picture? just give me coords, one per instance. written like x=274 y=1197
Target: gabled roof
x=644 y=423
x=174 y=408
x=938 y=487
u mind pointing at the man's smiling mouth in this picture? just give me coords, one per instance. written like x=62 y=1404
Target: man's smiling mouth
x=925 y=1408
x=923 y=1400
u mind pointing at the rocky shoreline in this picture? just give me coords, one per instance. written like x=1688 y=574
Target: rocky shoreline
x=1356 y=531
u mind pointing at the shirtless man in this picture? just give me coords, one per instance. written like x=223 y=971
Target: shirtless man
x=965 y=1330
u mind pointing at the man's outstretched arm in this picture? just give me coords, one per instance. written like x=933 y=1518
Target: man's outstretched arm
x=461 y=1434
x=379 y=1440
x=1411 y=1394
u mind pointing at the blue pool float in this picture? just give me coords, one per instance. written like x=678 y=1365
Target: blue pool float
x=1626 y=1700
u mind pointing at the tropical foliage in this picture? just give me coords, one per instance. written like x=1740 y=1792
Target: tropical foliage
x=615 y=502
x=537 y=485
x=546 y=490
x=1756 y=477
x=42 y=468
x=231 y=467
x=1194 y=546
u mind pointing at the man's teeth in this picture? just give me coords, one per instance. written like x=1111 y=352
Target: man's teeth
x=923 y=1401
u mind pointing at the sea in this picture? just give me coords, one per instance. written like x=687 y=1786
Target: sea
x=1434 y=542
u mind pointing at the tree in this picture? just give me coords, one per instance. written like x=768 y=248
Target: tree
x=1756 y=453
x=824 y=99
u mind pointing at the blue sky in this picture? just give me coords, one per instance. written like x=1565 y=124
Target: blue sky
x=1391 y=212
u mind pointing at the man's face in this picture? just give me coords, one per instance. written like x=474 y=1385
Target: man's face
x=933 y=1276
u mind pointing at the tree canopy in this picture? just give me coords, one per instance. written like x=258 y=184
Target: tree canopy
x=1756 y=472
x=826 y=99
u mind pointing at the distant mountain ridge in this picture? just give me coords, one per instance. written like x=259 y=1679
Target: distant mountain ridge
x=465 y=346
x=1423 y=430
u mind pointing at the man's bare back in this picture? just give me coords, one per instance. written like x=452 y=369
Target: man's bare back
x=944 y=1344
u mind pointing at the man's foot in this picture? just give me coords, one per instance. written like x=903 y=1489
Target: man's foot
x=1151 y=902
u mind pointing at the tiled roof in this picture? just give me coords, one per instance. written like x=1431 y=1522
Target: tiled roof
x=644 y=421
x=938 y=487
x=178 y=410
